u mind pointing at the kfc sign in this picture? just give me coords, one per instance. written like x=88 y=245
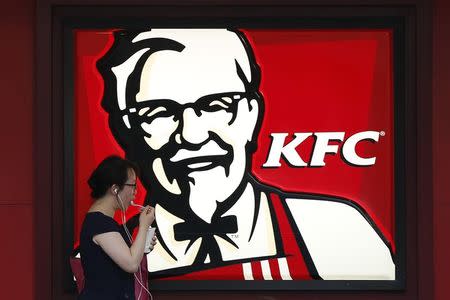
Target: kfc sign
x=220 y=123
x=322 y=147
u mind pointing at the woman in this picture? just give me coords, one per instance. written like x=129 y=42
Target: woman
x=108 y=256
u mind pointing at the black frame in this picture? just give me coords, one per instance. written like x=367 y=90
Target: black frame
x=394 y=23
x=51 y=113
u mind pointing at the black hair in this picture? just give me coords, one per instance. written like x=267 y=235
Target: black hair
x=112 y=170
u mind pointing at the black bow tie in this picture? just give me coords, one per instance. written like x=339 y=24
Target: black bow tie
x=195 y=228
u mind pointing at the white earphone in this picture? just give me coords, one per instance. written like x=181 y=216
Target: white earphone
x=116 y=192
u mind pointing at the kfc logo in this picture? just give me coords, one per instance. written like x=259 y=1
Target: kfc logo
x=321 y=148
x=185 y=105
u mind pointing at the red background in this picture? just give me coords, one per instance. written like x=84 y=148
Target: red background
x=312 y=81
x=17 y=204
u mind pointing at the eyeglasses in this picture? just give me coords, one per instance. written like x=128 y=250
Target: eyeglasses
x=147 y=111
x=134 y=185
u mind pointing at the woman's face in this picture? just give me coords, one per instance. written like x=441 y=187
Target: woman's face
x=128 y=192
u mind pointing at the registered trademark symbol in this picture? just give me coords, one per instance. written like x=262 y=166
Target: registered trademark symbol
x=382 y=133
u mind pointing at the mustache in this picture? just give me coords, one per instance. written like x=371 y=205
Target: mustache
x=178 y=157
x=211 y=148
x=175 y=153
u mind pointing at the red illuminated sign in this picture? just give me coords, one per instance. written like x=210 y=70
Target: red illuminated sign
x=268 y=153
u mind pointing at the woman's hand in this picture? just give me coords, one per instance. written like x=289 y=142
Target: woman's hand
x=147 y=216
x=153 y=243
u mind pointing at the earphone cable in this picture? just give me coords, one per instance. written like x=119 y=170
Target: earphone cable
x=127 y=232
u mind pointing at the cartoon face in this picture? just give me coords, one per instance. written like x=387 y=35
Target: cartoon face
x=194 y=110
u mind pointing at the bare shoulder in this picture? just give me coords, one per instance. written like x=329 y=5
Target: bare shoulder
x=342 y=240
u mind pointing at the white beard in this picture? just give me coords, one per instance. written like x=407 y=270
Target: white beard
x=212 y=187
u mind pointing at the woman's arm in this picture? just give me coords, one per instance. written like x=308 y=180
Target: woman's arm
x=127 y=258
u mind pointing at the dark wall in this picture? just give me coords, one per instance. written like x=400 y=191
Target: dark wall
x=441 y=147
x=16 y=176
x=16 y=134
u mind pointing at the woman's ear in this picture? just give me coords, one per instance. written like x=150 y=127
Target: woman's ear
x=115 y=189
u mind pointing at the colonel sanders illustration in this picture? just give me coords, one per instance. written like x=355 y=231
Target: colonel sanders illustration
x=185 y=105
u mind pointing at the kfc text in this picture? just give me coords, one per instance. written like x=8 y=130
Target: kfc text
x=320 y=149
